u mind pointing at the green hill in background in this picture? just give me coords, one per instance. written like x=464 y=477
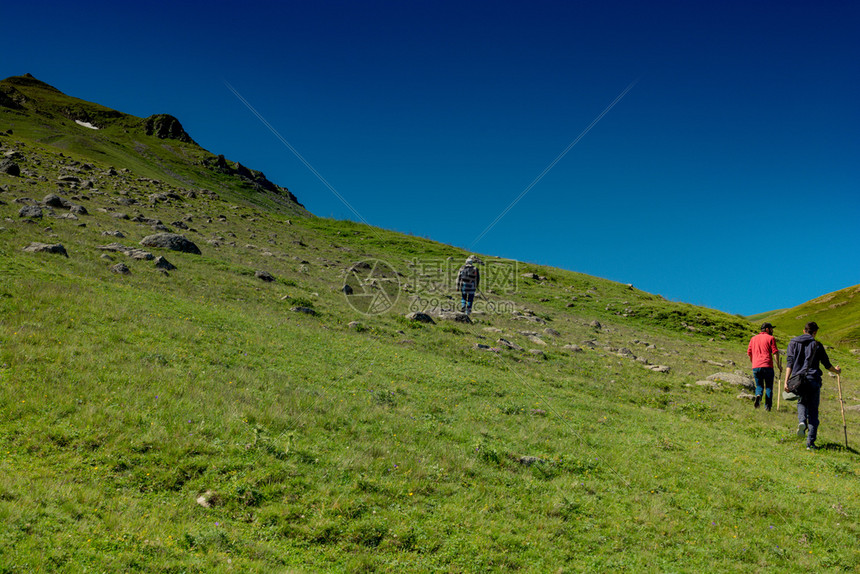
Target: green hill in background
x=198 y=375
x=837 y=315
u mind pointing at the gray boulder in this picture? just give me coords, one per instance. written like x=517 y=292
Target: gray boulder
x=455 y=316
x=733 y=379
x=509 y=345
x=9 y=167
x=172 y=241
x=120 y=269
x=56 y=248
x=162 y=263
x=421 y=317
x=54 y=200
x=264 y=276
x=30 y=211
x=305 y=310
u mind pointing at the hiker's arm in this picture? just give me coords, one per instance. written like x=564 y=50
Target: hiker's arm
x=787 y=376
x=825 y=362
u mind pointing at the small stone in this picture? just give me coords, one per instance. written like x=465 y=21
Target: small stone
x=162 y=263
x=305 y=310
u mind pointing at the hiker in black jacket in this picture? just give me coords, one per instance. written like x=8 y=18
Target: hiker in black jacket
x=468 y=281
x=804 y=352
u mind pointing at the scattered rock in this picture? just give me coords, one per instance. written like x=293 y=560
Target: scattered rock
x=421 y=317
x=746 y=396
x=509 y=345
x=209 y=499
x=455 y=316
x=552 y=332
x=538 y=353
x=172 y=241
x=56 y=248
x=9 y=167
x=595 y=324
x=658 y=368
x=347 y=290
x=30 y=211
x=574 y=348
x=530 y=460
x=117 y=234
x=162 y=263
x=305 y=310
x=710 y=384
x=733 y=379
x=264 y=276
x=121 y=269
x=132 y=252
x=54 y=200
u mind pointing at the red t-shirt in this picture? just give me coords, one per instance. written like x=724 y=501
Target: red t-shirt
x=760 y=348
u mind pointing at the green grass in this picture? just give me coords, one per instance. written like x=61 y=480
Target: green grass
x=389 y=446
x=837 y=315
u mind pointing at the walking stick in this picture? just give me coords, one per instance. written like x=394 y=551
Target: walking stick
x=779 y=386
x=842 y=404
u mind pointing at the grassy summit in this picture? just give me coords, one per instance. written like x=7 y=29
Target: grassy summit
x=839 y=311
x=206 y=419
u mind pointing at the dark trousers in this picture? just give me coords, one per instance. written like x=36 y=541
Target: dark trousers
x=468 y=296
x=807 y=410
x=764 y=379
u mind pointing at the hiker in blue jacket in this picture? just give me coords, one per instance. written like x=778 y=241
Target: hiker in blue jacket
x=804 y=352
x=468 y=281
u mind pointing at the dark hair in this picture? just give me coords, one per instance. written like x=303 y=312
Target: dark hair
x=811 y=327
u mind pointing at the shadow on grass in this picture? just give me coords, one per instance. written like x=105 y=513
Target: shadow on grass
x=837 y=447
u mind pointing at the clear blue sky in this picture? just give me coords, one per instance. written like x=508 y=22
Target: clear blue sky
x=727 y=176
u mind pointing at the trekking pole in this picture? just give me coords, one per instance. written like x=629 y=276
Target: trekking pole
x=842 y=404
x=779 y=386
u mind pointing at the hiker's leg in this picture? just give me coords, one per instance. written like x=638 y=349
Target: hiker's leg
x=758 y=375
x=768 y=387
x=469 y=301
x=813 y=398
x=463 y=297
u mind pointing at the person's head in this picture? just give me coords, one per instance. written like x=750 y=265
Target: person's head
x=767 y=328
x=811 y=328
x=474 y=260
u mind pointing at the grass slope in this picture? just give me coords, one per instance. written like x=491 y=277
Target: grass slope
x=837 y=315
x=193 y=422
x=40 y=113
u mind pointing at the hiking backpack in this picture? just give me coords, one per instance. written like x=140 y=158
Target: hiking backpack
x=468 y=275
x=797 y=381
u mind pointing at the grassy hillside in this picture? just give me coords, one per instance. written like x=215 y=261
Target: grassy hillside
x=206 y=419
x=837 y=315
x=156 y=147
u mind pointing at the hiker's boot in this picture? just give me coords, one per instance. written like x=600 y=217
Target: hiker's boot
x=757 y=401
x=768 y=402
x=801 y=429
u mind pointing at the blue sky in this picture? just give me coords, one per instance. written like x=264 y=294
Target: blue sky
x=727 y=176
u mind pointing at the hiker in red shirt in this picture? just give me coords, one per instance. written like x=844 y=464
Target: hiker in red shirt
x=761 y=350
